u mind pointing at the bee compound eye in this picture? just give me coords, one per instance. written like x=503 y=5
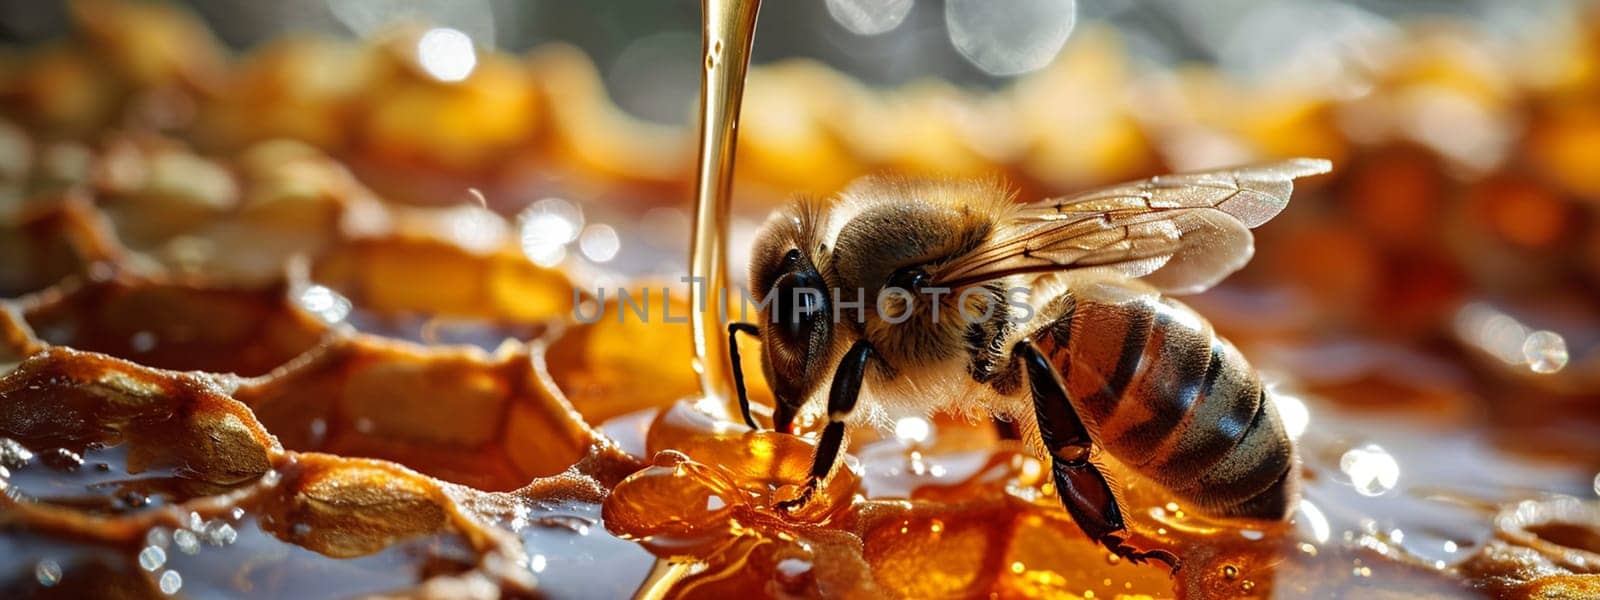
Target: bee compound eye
x=798 y=306
x=911 y=279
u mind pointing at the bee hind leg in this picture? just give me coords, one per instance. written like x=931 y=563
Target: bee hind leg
x=841 y=401
x=1080 y=484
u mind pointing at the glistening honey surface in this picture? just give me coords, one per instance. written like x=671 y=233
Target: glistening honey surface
x=268 y=346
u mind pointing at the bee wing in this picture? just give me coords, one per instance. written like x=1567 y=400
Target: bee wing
x=1180 y=233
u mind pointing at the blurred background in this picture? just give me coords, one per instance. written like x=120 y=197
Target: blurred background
x=1465 y=135
x=879 y=41
x=647 y=49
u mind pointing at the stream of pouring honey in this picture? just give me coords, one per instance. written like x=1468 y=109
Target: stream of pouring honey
x=728 y=28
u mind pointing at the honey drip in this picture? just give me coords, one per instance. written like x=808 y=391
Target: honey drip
x=729 y=29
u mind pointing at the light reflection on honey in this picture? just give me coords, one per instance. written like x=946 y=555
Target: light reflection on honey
x=415 y=409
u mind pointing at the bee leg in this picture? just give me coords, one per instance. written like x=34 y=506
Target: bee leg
x=841 y=400
x=734 y=329
x=1080 y=484
x=1005 y=429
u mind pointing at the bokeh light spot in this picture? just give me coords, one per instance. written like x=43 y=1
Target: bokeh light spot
x=1023 y=36
x=446 y=54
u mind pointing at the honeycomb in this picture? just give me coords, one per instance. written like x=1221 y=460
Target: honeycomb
x=248 y=351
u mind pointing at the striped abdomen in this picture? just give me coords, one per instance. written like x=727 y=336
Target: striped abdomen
x=1167 y=397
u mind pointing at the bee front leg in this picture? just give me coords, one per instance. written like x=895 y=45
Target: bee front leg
x=1080 y=484
x=734 y=329
x=841 y=401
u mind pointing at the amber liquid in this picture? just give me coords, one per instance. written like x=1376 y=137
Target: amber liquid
x=729 y=27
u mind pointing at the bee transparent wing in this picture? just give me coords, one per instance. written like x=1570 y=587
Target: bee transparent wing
x=1179 y=233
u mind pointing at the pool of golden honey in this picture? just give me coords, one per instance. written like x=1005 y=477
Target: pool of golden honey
x=958 y=514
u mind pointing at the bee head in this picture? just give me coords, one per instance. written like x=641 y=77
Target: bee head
x=795 y=312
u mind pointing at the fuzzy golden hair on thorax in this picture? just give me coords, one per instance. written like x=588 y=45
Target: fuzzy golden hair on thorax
x=886 y=223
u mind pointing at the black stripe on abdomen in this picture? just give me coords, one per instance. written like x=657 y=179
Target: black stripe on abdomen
x=1174 y=402
x=1216 y=423
x=1107 y=350
x=1249 y=480
x=1179 y=365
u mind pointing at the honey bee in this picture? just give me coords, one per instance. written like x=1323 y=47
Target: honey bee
x=949 y=295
